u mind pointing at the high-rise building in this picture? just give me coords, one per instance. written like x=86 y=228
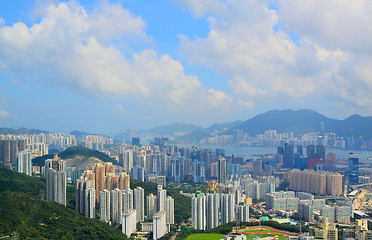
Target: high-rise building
x=8 y=151
x=310 y=151
x=212 y=210
x=198 y=211
x=221 y=170
x=129 y=222
x=136 y=141
x=138 y=173
x=353 y=168
x=104 y=205
x=198 y=171
x=288 y=159
x=139 y=203
x=227 y=208
x=127 y=199
x=90 y=203
x=116 y=205
x=170 y=210
x=159 y=228
x=24 y=163
x=161 y=199
x=151 y=206
x=316 y=182
x=242 y=212
x=55 y=180
x=126 y=160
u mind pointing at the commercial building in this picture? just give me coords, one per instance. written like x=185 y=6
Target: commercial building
x=353 y=168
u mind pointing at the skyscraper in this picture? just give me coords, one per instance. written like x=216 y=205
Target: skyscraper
x=129 y=222
x=212 y=210
x=170 y=210
x=139 y=203
x=55 y=180
x=104 y=205
x=242 y=213
x=24 y=163
x=151 y=206
x=221 y=170
x=161 y=199
x=198 y=211
x=116 y=205
x=353 y=168
x=288 y=158
x=127 y=199
x=159 y=225
x=227 y=208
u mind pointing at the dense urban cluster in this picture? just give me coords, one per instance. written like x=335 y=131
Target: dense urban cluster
x=315 y=188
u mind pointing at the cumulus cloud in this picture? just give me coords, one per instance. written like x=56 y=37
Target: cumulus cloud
x=72 y=48
x=299 y=49
x=3 y=113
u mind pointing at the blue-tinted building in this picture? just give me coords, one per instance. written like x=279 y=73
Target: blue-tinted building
x=353 y=168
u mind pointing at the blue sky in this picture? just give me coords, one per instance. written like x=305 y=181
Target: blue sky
x=106 y=66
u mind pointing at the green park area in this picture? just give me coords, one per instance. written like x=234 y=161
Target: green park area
x=205 y=236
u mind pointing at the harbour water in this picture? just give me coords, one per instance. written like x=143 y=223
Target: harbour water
x=254 y=152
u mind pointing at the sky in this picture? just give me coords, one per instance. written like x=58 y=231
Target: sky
x=105 y=66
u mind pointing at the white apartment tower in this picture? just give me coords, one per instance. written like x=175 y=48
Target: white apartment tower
x=227 y=208
x=139 y=203
x=24 y=164
x=127 y=199
x=159 y=228
x=104 y=202
x=116 y=205
x=129 y=222
x=170 y=210
x=213 y=210
x=198 y=211
x=151 y=206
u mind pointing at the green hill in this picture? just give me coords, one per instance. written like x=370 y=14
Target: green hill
x=72 y=152
x=23 y=211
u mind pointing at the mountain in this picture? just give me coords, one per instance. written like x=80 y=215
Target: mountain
x=20 y=131
x=304 y=121
x=23 y=211
x=224 y=126
x=171 y=129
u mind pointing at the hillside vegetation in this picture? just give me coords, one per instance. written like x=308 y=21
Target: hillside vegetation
x=73 y=152
x=23 y=211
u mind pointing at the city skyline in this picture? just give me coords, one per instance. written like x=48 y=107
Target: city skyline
x=69 y=65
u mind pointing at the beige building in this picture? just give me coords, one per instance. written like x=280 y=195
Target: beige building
x=316 y=182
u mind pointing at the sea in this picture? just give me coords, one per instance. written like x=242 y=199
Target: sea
x=251 y=152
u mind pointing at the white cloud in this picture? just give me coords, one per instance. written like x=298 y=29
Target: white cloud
x=71 y=48
x=118 y=109
x=264 y=62
x=3 y=113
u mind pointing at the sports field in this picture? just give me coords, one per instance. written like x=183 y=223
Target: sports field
x=251 y=232
x=202 y=236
